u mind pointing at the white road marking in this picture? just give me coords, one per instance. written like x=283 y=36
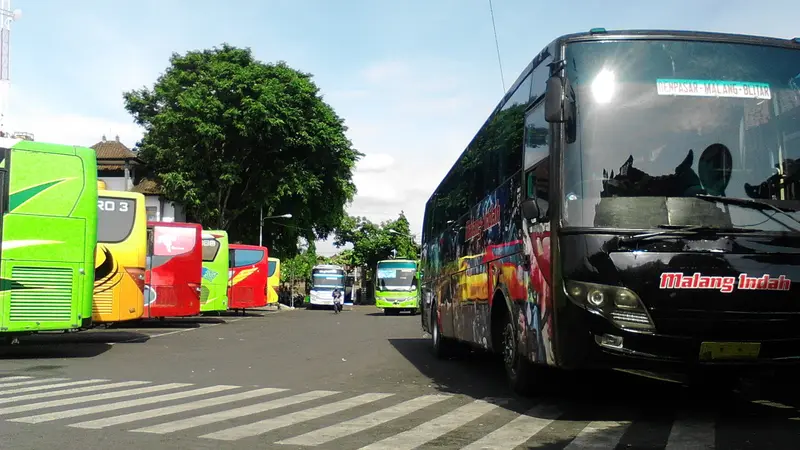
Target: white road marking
x=365 y=422
x=220 y=416
x=264 y=426
x=519 y=430
x=89 y=398
x=167 y=410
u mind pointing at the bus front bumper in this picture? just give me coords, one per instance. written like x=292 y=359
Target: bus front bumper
x=398 y=304
x=604 y=345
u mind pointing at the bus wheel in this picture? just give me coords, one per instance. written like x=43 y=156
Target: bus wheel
x=443 y=347
x=519 y=371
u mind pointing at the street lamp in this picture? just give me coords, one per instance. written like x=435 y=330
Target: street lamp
x=261 y=223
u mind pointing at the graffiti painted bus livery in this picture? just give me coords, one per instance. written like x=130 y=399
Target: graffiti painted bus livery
x=637 y=203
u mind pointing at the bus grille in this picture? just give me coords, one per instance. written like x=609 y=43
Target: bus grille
x=103 y=302
x=41 y=294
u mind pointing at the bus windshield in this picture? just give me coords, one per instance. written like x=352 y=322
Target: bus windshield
x=327 y=279
x=397 y=276
x=657 y=122
x=115 y=219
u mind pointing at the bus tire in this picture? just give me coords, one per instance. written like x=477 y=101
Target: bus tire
x=520 y=373
x=443 y=348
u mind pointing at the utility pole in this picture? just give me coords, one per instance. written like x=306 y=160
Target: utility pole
x=261 y=219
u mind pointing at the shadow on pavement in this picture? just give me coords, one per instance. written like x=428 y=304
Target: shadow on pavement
x=68 y=345
x=607 y=395
x=168 y=322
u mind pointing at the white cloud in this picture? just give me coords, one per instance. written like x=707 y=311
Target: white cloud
x=374 y=163
x=419 y=115
x=30 y=114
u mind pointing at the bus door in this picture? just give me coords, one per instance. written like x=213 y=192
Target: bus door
x=214 y=289
x=247 y=276
x=174 y=266
x=273 y=279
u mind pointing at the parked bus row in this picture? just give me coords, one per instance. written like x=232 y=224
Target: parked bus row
x=74 y=255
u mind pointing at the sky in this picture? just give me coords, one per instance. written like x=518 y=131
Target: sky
x=413 y=79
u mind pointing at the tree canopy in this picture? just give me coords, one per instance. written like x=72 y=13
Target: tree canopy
x=373 y=242
x=226 y=135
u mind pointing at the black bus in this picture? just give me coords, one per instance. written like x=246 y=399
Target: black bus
x=633 y=202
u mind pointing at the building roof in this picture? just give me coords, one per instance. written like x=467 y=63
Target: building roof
x=147 y=187
x=112 y=155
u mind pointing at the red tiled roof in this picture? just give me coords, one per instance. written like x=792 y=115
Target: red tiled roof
x=147 y=187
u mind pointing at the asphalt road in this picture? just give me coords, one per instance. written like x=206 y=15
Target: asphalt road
x=302 y=379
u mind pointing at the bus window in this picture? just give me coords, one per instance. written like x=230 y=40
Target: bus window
x=115 y=219
x=271 y=268
x=247 y=257
x=210 y=249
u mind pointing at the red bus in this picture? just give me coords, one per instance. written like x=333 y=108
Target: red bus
x=247 y=286
x=174 y=268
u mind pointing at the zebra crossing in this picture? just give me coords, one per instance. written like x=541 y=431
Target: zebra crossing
x=315 y=418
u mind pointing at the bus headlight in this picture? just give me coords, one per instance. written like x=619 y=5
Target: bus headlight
x=617 y=304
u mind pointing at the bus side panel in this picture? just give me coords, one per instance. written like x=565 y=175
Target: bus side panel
x=87 y=208
x=174 y=275
x=215 y=280
x=45 y=250
x=119 y=287
x=274 y=281
x=248 y=286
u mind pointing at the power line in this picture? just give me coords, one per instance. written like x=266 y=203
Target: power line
x=497 y=46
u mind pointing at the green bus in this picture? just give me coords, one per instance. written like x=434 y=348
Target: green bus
x=397 y=286
x=214 y=282
x=48 y=198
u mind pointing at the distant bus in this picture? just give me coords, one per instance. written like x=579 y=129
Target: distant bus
x=120 y=256
x=397 y=286
x=48 y=199
x=214 y=288
x=324 y=279
x=635 y=200
x=273 y=279
x=174 y=266
x=247 y=276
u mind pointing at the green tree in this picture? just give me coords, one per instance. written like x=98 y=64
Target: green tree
x=227 y=135
x=373 y=242
x=298 y=267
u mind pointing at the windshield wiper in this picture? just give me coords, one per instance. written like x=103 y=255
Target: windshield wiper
x=684 y=229
x=752 y=203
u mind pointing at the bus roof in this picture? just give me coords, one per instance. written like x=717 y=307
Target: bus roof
x=327 y=266
x=63 y=149
x=272 y=258
x=397 y=260
x=120 y=194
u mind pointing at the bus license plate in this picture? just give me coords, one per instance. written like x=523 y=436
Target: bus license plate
x=729 y=350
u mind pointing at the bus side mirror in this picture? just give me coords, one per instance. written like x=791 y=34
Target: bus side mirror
x=530 y=209
x=554 y=100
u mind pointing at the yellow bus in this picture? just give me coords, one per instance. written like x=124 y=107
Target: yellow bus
x=273 y=279
x=119 y=256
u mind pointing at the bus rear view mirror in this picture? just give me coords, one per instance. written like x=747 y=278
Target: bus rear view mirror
x=530 y=209
x=554 y=100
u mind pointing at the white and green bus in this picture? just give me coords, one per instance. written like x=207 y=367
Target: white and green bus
x=397 y=286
